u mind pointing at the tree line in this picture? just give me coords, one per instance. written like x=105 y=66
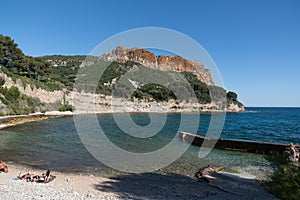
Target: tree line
x=12 y=57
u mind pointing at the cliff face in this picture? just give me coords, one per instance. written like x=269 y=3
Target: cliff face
x=32 y=91
x=163 y=63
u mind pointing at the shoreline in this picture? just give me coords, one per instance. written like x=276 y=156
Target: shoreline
x=12 y=120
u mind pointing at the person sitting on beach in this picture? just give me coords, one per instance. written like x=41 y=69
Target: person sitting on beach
x=3 y=167
x=48 y=177
x=293 y=153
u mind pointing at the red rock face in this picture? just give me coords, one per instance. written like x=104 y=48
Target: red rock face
x=163 y=63
x=141 y=55
x=175 y=63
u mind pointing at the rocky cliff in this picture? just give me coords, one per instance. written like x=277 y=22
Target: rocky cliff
x=43 y=95
x=164 y=63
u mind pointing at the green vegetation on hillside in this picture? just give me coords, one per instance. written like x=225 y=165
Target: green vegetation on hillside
x=89 y=80
x=154 y=91
x=163 y=93
x=112 y=74
x=64 y=75
x=69 y=60
x=49 y=85
x=201 y=89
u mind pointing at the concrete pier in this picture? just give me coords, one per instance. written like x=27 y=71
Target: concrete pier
x=231 y=144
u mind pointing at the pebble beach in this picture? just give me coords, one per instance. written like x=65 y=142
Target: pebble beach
x=76 y=186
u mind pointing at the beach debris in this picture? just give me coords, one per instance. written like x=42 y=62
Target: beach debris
x=206 y=171
x=3 y=167
x=30 y=177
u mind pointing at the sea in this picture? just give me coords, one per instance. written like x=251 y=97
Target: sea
x=56 y=144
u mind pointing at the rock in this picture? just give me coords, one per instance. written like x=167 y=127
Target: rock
x=234 y=107
x=164 y=63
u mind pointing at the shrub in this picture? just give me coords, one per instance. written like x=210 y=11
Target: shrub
x=2 y=82
x=65 y=107
x=12 y=94
x=285 y=181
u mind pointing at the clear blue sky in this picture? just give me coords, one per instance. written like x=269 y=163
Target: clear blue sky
x=255 y=43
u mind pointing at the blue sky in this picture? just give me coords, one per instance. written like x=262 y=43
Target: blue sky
x=255 y=43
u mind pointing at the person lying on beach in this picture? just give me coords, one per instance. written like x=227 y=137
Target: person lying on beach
x=36 y=178
x=28 y=177
x=3 y=167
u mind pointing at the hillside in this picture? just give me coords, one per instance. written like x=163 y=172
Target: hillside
x=29 y=84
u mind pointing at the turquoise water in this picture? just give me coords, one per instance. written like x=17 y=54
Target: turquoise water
x=54 y=143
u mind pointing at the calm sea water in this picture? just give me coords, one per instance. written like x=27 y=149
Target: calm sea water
x=54 y=143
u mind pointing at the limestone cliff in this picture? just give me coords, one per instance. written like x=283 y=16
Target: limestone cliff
x=100 y=103
x=32 y=98
x=43 y=95
x=164 y=63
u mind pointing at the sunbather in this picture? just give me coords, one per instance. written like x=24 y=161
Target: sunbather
x=36 y=178
x=3 y=167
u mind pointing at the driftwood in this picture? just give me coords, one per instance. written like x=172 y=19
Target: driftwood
x=207 y=171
